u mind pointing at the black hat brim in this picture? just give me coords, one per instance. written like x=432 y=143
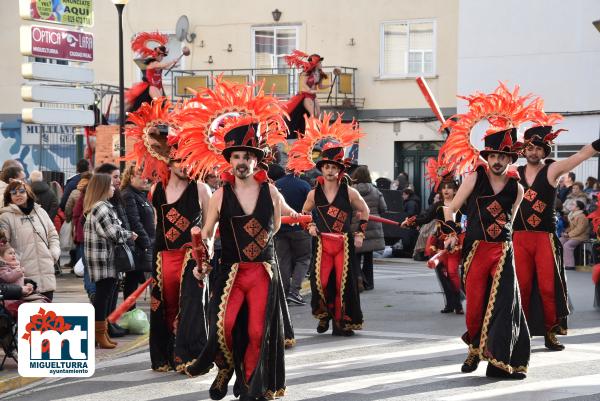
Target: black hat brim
x=260 y=154
x=513 y=155
x=547 y=148
x=320 y=164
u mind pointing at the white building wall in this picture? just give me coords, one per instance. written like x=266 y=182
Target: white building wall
x=547 y=47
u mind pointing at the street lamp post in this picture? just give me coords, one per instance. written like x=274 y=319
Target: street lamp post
x=597 y=26
x=120 y=4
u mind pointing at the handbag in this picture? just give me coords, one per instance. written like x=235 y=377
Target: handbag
x=122 y=256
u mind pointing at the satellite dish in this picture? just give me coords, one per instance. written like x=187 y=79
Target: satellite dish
x=182 y=28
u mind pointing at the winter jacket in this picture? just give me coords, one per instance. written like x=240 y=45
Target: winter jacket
x=3 y=186
x=141 y=221
x=102 y=230
x=11 y=291
x=45 y=197
x=71 y=202
x=11 y=274
x=69 y=186
x=77 y=220
x=412 y=206
x=35 y=240
x=374 y=240
x=579 y=227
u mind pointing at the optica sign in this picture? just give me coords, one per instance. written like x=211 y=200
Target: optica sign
x=40 y=41
x=66 y=12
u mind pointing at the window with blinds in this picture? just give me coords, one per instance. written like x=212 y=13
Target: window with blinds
x=271 y=44
x=407 y=48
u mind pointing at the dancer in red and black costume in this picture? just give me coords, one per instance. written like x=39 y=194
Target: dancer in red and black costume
x=151 y=86
x=333 y=283
x=496 y=326
x=538 y=251
x=310 y=82
x=246 y=332
x=178 y=329
x=447 y=269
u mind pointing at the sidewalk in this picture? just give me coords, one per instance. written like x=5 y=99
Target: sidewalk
x=70 y=289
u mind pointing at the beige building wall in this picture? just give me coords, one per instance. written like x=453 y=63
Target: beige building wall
x=326 y=27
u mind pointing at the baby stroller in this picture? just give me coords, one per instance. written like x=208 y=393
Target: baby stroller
x=8 y=334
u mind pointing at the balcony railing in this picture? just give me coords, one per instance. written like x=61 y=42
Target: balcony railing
x=282 y=82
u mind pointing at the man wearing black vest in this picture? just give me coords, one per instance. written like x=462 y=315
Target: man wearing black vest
x=333 y=283
x=496 y=327
x=538 y=251
x=246 y=327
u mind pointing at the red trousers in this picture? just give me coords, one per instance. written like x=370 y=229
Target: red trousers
x=332 y=258
x=480 y=270
x=172 y=265
x=251 y=285
x=534 y=257
x=452 y=261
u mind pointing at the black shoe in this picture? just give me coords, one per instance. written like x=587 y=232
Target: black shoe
x=218 y=389
x=296 y=299
x=552 y=343
x=114 y=330
x=342 y=333
x=447 y=309
x=471 y=363
x=493 y=371
x=323 y=326
x=197 y=369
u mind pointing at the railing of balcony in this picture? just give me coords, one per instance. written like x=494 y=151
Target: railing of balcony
x=282 y=82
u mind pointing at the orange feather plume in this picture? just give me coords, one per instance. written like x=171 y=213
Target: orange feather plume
x=300 y=154
x=210 y=114
x=153 y=163
x=436 y=171
x=297 y=59
x=140 y=43
x=503 y=109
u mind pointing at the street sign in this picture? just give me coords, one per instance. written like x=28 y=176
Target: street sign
x=43 y=115
x=57 y=72
x=66 y=12
x=62 y=44
x=33 y=134
x=57 y=94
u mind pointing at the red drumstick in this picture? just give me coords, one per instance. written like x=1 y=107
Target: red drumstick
x=301 y=219
x=128 y=303
x=435 y=259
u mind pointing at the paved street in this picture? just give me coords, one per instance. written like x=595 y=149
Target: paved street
x=408 y=351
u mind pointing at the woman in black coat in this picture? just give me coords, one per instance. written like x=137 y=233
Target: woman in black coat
x=134 y=192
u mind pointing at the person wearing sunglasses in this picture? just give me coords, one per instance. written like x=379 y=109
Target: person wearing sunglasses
x=32 y=234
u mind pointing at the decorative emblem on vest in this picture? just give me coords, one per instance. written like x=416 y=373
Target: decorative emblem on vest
x=494 y=208
x=180 y=224
x=534 y=220
x=539 y=206
x=494 y=230
x=339 y=216
x=260 y=237
x=530 y=195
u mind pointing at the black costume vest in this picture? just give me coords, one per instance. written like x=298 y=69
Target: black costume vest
x=175 y=220
x=334 y=217
x=246 y=237
x=536 y=212
x=489 y=215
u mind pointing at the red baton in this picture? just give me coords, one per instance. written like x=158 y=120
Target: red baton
x=128 y=303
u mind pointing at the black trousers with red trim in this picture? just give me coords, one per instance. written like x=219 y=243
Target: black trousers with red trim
x=496 y=325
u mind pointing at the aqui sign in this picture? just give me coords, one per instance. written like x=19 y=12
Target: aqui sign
x=66 y=12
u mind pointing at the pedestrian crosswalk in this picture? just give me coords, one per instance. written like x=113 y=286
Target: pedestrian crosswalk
x=408 y=351
x=369 y=366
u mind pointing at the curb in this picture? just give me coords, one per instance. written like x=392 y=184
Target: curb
x=14 y=383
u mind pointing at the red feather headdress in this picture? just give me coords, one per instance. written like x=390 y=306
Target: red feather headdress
x=539 y=118
x=300 y=154
x=595 y=217
x=503 y=109
x=437 y=172
x=140 y=42
x=210 y=114
x=299 y=59
x=150 y=152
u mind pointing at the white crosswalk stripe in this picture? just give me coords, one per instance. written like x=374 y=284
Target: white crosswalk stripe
x=372 y=365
